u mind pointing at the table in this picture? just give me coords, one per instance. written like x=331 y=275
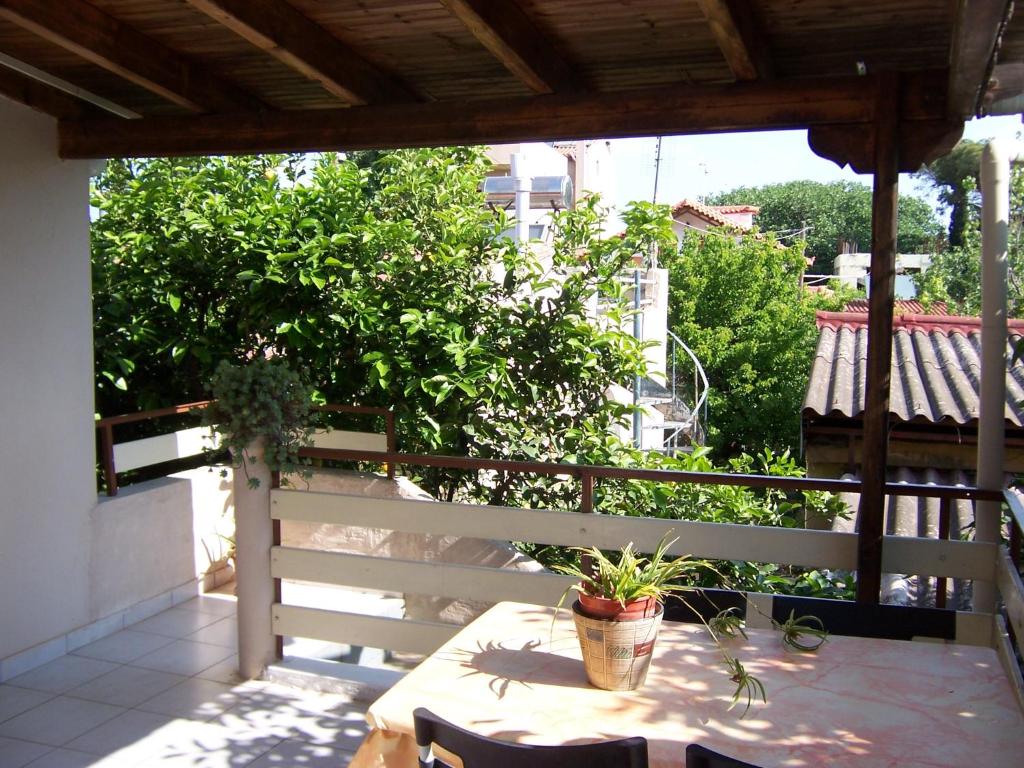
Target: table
x=856 y=702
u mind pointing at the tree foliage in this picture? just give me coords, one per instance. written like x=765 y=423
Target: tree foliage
x=739 y=304
x=954 y=275
x=956 y=177
x=838 y=210
x=385 y=278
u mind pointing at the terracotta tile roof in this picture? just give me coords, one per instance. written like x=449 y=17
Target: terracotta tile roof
x=903 y=307
x=736 y=208
x=713 y=214
x=936 y=360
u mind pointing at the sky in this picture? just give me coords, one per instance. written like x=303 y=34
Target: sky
x=696 y=166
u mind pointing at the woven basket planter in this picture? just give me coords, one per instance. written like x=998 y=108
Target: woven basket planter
x=616 y=654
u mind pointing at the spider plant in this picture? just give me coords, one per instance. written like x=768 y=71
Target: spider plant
x=745 y=683
x=794 y=630
x=630 y=576
x=728 y=623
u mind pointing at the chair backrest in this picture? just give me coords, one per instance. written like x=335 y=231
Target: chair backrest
x=481 y=752
x=702 y=757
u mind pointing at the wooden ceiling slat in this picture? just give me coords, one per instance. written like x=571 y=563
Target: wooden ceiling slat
x=976 y=29
x=41 y=97
x=659 y=111
x=104 y=41
x=738 y=34
x=277 y=28
x=510 y=35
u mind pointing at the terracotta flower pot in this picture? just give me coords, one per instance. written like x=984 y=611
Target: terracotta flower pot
x=604 y=608
x=616 y=652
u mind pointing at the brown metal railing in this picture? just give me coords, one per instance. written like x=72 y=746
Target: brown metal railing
x=105 y=428
x=106 y=432
x=588 y=472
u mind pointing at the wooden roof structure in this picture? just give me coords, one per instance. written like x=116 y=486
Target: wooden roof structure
x=881 y=85
x=222 y=76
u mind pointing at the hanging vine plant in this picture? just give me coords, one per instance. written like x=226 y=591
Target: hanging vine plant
x=262 y=400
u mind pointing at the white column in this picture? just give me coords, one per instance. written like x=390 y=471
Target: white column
x=522 y=184
x=254 y=585
x=995 y=216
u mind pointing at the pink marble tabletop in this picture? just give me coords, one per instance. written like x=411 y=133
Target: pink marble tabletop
x=856 y=702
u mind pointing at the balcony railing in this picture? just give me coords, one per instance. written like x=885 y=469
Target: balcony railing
x=926 y=558
x=120 y=457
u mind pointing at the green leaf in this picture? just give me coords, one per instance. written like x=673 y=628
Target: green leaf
x=174 y=302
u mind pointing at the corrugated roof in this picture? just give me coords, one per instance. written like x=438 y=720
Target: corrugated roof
x=935 y=365
x=903 y=307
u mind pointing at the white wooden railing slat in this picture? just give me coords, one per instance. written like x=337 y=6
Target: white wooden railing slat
x=404 y=635
x=465 y=582
x=720 y=541
x=147 y=451
x=346 y=440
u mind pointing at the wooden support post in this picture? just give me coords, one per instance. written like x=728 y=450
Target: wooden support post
x=107 y=458
x=587 y=492
x=870 y=516
x=944 y=526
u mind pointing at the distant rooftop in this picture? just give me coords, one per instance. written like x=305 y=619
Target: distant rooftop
x=936 y=361
x=903 y=307
x=731 y=216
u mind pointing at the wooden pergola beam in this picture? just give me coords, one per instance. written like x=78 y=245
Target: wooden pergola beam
x=101 y=39
x=43 y=98
x=510 y=35
x=773 y=105
x=287 y=34
x=738 y=35
x=658 y=111
x=976 y=29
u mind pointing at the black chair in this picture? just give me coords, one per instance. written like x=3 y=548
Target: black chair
x=482 y=752
x=702 y=757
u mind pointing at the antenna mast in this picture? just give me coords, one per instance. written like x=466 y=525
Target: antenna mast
x=657 y=168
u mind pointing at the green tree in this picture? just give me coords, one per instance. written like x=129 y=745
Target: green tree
x=387 y=280
x=740 y=306
x=954 y=275
x=838 y=210
x=955 y=178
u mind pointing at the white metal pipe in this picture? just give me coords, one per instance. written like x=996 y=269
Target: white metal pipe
x=995 y=217
x=523 y=185
x=254 y=585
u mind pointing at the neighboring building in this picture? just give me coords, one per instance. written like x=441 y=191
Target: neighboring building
x=852 y=270
x=936 y=360
x=690 y=215
x=587 y=163
x=668 y=422
x=933 y=422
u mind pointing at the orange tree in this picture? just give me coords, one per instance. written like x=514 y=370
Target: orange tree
x=386 y=278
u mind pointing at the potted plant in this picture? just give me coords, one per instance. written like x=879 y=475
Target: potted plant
x=619 y=610
x=261 y=408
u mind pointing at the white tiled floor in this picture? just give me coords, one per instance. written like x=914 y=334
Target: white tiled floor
x=165 y=693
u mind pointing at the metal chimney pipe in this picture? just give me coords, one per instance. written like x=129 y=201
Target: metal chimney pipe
x=522 y=184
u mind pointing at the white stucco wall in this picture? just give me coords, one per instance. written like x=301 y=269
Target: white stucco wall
x=156 y=536
x=46 y=401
